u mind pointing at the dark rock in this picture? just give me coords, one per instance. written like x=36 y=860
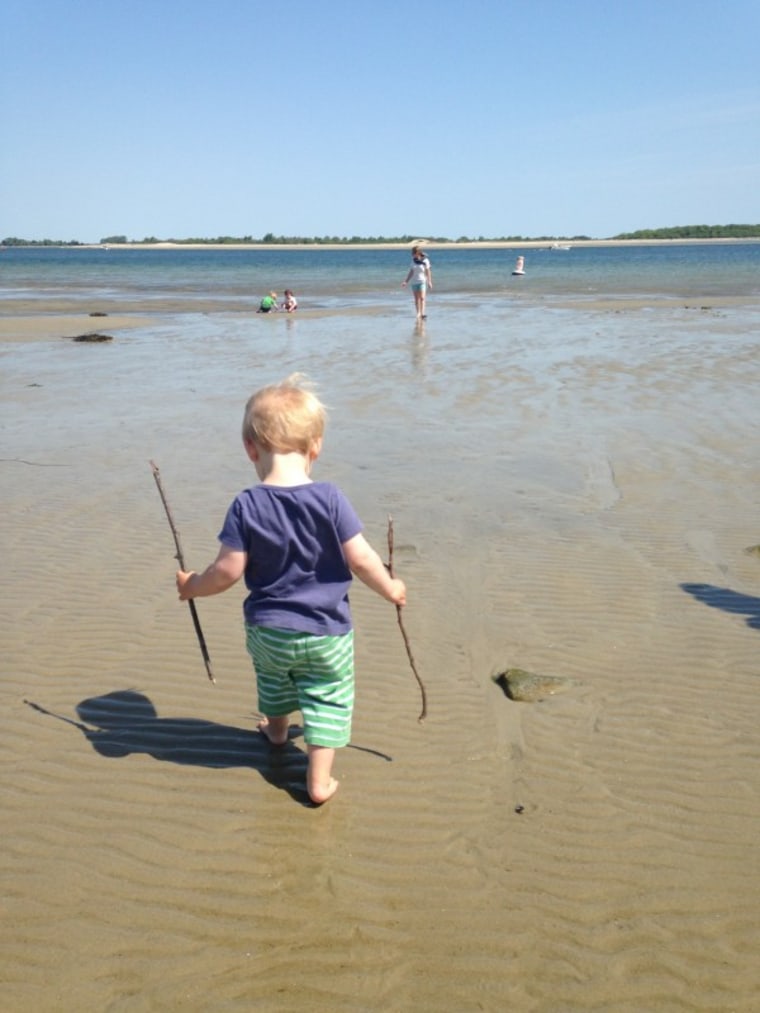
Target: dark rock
x=527 y=687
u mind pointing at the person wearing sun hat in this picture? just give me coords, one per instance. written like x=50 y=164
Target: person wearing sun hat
x=421 y=278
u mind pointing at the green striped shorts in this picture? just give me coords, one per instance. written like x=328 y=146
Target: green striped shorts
x=301 y=671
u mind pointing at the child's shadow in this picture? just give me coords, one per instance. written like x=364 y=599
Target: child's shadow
x=126 y=721
x=727 y=600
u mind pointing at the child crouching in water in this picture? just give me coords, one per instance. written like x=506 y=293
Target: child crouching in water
x=297 y=542
x=289 y=303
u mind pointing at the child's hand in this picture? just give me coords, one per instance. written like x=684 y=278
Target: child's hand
x=183 y=580
x=398 y=592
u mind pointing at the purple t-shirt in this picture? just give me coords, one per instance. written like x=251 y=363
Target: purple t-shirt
x=296 y=573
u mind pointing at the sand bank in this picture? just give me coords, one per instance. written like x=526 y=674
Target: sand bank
x=42 y=326
x=530 y=244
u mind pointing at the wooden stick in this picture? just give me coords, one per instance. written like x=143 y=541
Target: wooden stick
x=423 y=712
x=181 y=560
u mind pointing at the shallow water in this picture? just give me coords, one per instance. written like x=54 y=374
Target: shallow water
x=360 y=278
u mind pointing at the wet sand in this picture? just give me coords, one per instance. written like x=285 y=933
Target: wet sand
x=26 y=326
x=572 y=493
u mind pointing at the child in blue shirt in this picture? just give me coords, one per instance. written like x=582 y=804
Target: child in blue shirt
x=297 y=542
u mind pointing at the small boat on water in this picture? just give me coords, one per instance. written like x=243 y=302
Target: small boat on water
x=561 y=246
x=519 y=266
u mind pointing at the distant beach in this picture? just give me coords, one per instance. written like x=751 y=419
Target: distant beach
x=527 y=244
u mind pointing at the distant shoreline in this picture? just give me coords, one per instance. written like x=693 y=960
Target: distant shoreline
x=528 y=244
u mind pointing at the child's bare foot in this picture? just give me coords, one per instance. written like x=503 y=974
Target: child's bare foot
x=275 y=730
x=320 y=793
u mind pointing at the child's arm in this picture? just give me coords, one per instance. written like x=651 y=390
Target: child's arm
x=365 y=563
x=226 y=570
x=403 y=283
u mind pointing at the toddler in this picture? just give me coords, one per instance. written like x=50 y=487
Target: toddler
x=289 y=303
x=297 y=542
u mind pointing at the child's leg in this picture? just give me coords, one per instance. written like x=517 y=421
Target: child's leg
x=275 y=729
x=320 y=783
x=278 y=698
x=325 y=682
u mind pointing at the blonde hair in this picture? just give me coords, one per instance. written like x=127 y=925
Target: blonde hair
x=285 y=416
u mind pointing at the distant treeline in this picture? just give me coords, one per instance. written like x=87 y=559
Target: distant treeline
x=15 y=241
x=676 y=232
x=696 y=232
x=271 y=240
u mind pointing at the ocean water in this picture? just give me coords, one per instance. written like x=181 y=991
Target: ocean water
x=548 y=367
x=494 y=347
x=346 y=279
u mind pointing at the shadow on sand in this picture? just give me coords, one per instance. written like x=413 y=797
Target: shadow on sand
x=727 y=600
x=125 y=721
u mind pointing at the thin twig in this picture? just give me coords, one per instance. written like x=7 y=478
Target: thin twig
x=181 y=560
x=423 y=712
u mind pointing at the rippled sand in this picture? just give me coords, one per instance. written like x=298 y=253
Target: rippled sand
x=572 y=492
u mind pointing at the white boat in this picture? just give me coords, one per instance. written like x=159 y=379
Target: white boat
x=561 y=246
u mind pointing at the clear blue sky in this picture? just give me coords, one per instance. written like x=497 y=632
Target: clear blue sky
x=178 y=118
